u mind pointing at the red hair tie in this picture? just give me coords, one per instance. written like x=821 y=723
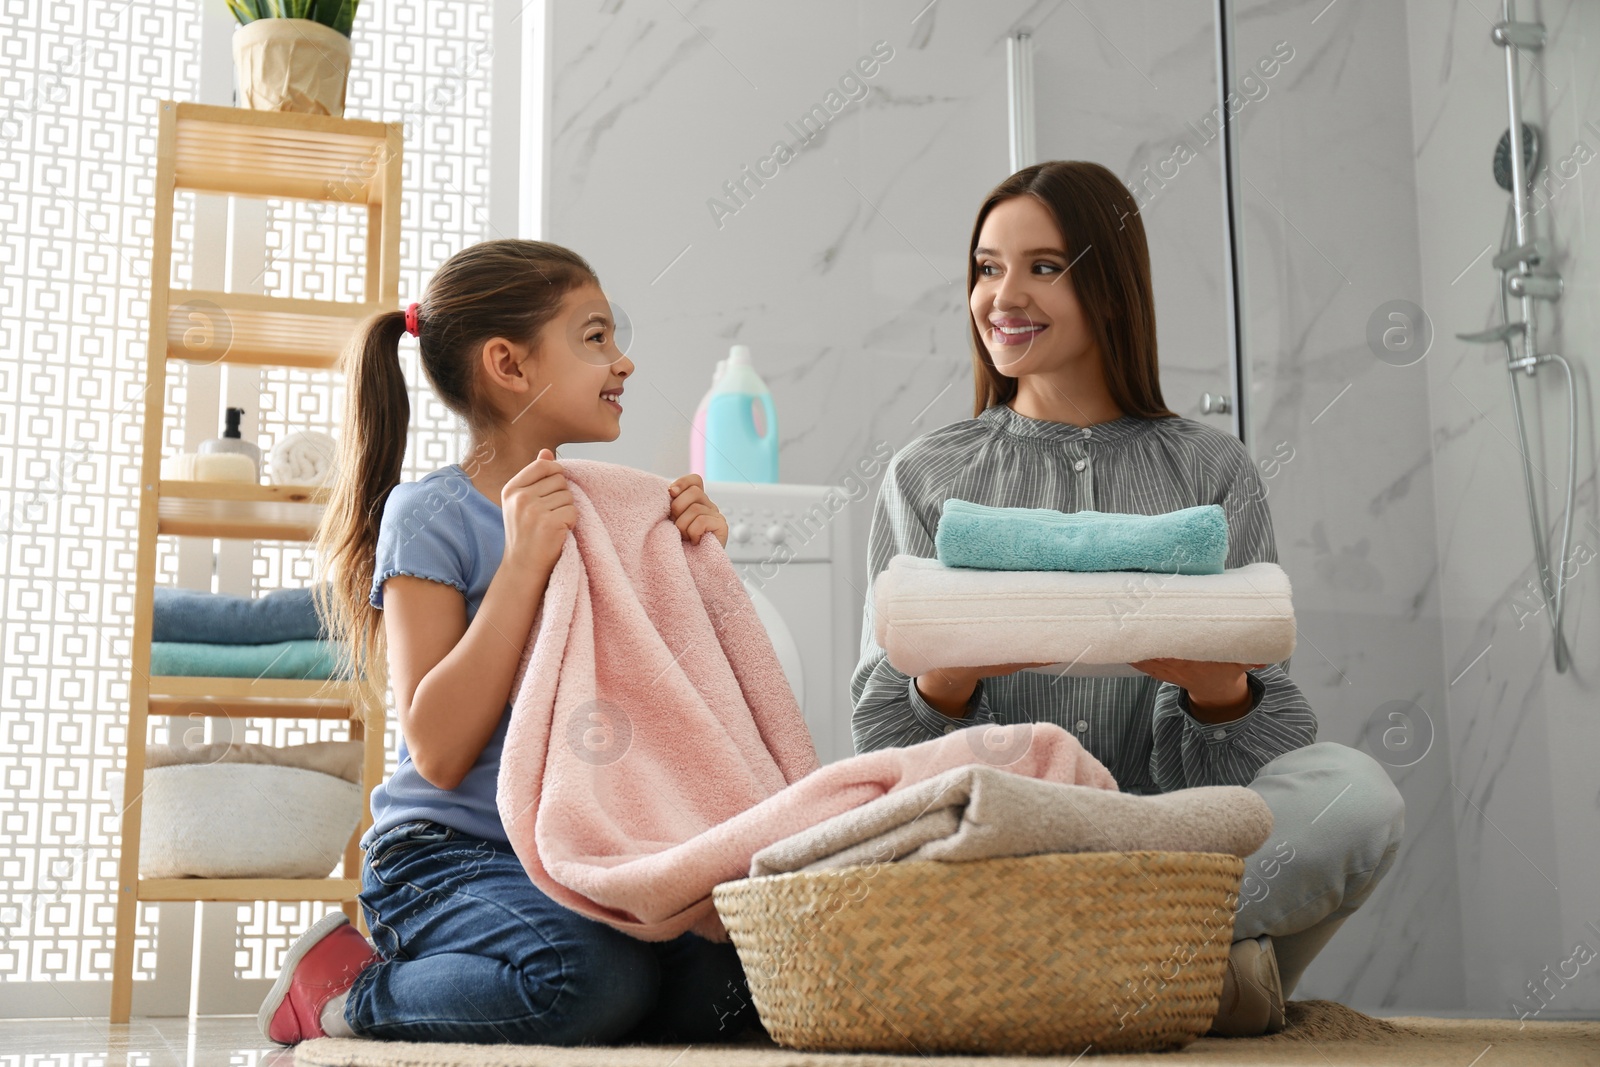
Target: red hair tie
x=412 y=326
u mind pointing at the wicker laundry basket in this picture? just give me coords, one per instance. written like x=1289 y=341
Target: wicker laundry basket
x=1050 y=954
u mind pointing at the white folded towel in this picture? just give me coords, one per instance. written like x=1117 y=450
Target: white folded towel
x=305 y=457
x=927 y=615
x=342 y=759
x=208 y=467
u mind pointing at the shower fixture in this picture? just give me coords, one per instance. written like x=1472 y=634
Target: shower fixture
x=1502 y=155
x=1527 y=273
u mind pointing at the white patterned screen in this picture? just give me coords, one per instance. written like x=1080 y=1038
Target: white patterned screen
x=77 y=145
x=77 y=137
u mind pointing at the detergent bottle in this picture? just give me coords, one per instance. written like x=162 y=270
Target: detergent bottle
x=697 y=429
x=741 y=439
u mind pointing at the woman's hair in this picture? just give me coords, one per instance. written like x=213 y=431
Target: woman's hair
x=505 y=288
x=1095 y=214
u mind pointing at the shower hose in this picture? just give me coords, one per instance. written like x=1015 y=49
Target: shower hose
x=1552 y=589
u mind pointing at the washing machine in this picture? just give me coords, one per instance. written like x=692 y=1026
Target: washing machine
x=792 y=547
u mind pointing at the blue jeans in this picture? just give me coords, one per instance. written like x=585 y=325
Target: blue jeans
x=472 y=951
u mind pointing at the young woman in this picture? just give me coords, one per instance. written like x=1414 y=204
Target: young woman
x=1069 y=416
x=516 y=339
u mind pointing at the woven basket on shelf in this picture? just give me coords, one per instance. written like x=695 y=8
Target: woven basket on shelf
x=243 y=820
x=1118 y=951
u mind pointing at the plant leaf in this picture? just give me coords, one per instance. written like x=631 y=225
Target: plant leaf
x=339 y=15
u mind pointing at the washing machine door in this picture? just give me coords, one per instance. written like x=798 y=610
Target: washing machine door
x=783 y=641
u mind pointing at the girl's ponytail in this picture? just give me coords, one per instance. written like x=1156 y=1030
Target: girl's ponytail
x=372 y=446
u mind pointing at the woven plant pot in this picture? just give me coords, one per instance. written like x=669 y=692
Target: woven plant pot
x=1114 y=951
x=291 y=65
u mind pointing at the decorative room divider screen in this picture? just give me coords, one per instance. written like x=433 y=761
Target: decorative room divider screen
x=76 y=168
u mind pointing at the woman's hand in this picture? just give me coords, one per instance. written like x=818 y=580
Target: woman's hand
x=1218 y=692
x=538 y=512
x=948 y=689
x=693 y=512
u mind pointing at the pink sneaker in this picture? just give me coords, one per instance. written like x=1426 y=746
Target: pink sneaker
x=319 y=966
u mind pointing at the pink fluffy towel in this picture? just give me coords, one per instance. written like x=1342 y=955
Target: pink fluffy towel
x=655 y=745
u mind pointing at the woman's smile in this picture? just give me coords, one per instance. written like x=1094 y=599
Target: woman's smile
x=1011 y=330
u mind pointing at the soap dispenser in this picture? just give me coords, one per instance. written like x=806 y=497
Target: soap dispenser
x=232 y=441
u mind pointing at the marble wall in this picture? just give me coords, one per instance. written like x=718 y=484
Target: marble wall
x=844 y=272
x=1329 y=216
x=1523 y=740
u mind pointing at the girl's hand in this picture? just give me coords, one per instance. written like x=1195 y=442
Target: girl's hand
x=538 y=512
x=693 y=512
x=1218 y=692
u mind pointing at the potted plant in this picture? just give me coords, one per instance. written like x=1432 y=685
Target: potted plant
x=293 y=55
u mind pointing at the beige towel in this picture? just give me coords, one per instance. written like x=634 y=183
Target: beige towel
x=342 y=759
x=980 y=812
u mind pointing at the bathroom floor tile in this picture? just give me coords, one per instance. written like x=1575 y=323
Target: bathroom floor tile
x=211 y=1041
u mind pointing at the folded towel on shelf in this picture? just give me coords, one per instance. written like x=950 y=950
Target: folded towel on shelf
x=217 y=619
x=655 y=746
x=304 y=457
x=1187 y=541
x=283 y=659
x=927 y=615
x=342 y=759
x=209 y=467
x=981 y=812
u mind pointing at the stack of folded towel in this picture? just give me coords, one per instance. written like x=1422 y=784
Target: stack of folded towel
x=278 y=635
x=976 y=812
x=1088 y=592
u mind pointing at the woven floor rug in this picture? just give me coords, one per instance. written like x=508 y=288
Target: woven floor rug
x=1320 y=1033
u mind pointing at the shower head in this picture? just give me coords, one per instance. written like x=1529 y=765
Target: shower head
x=1530 y=156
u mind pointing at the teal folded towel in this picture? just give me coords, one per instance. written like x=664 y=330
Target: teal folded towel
x=217 y=619
x=1187 y=541
x=286 y=659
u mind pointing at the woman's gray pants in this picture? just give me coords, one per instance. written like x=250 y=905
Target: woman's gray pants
x=1337 y=823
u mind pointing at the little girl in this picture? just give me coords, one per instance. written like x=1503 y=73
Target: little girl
x=517 y=339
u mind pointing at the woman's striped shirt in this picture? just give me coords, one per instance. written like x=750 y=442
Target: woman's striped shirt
x=1140 y=728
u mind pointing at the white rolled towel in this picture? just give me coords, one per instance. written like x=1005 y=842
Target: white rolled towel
x=305 y=457
x=927 y=616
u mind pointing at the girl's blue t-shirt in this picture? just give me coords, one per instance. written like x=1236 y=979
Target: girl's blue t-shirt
x=443 y=529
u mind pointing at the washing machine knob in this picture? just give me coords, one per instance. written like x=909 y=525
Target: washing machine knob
x=775 y=534
x=740 y=532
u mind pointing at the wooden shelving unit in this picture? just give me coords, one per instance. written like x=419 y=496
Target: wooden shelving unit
x=234 y=509
x=236 y=152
